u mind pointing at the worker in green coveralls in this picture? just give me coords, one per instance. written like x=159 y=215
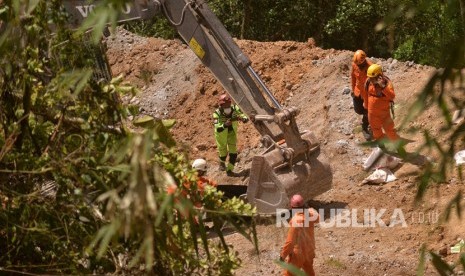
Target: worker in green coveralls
x=225 y=119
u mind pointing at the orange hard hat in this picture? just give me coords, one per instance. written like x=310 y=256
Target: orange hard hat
x=297 y=201
x=359 y=57
x=224 y=99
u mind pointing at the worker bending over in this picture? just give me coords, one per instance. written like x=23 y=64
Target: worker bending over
x=200 y=166
x=194 y=194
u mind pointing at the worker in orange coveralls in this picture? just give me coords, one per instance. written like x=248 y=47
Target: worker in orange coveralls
x=380 y=99
x=200 y=165
x=360 y=65
x=300 y=243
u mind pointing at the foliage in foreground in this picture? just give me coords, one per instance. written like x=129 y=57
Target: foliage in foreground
x=445 y=91
x=81 y=189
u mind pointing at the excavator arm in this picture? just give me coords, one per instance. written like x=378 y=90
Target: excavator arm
x=283 y=169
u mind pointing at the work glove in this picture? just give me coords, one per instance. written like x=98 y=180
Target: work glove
x=228 y=123
x=245 y=120
x=382 y=82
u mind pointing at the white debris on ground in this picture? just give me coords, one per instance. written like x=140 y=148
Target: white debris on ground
x=460 y=158
x=383 y=163
x=381 y=175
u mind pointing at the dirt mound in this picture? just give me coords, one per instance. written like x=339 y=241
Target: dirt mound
x=174 y=84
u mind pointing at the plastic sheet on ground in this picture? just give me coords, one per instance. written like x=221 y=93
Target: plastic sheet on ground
x=381 y=175
x=372 y=158
x=388 y=161
x=379 y=159
x=460 y=157
x=458 y=116
x=459 y=247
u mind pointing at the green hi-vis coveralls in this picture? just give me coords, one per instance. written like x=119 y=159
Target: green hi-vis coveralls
x=226 y=136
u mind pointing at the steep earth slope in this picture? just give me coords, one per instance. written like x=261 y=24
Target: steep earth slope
x=175 y=85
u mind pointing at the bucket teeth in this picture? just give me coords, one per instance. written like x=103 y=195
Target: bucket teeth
x=274 y=180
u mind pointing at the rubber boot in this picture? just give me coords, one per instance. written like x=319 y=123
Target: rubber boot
x=229 y=170
x=222 y=163
x=232 y=163
x=367 y=134
x=366 y=129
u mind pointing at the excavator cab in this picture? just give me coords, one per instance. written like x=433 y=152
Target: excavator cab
x=292 y=162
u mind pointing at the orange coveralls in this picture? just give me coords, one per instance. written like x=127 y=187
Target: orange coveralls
x=358 y=79
x=300 y=242
x=202 y=182
x=379 y=115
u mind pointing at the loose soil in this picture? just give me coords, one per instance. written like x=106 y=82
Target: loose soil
x=174 y=84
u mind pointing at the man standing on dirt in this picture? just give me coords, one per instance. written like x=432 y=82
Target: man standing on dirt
x=380 y=99
x=225 y=120
x=299 y=247
x=360 y=66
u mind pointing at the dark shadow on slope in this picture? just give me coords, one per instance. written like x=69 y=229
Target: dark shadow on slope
x=231 y=190
x=326 y=209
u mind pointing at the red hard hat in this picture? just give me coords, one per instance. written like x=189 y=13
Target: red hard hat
x=224 y=99
x=297 y=201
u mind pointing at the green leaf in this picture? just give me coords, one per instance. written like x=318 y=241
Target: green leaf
x=98 y=20
x=203 y=234
x=291 y=268
x=169 y=123
x=74 y=80
x=117 y=168
x=163 y=133
x=108 y=232
x=454 y=202
x=32 y=4
x=149 y=254
x=145 y=121
x=441 y=266
x=422 y=261
x=167 y=202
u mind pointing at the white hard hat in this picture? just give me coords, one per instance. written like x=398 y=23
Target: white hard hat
x=200 y=165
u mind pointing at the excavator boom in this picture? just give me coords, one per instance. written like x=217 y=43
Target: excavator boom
x=283 y=169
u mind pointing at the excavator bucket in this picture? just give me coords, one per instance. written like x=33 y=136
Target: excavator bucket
x=273 y=181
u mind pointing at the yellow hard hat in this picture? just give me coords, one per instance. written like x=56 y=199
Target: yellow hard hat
x=374 y=70
x=359 y=57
